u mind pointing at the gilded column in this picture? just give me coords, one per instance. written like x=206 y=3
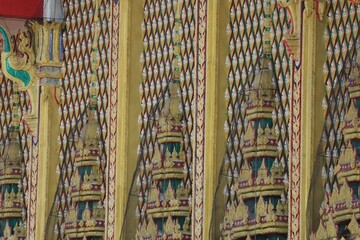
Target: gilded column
x=305 y=44
x=123 y=115
x=215 y=112
x=44 y=119
x=312 y=115
x=39 y=74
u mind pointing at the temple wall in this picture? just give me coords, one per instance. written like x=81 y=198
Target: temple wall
x=309 y=46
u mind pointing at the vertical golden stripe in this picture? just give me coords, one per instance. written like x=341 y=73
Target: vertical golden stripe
x=312 y=122
x=215 y=105
x=122 y=183
x=45 y=56
x=211 y=115
x=128 y=108
x=47 y=159
x=55 y=48
x=43 y=168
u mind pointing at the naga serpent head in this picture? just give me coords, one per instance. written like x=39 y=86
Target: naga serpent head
x=18 y=69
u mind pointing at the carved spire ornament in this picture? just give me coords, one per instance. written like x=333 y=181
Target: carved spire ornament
x=86 y=218
x=258 y=210
x=342 y=210
x=11 y=198
x=168 y=202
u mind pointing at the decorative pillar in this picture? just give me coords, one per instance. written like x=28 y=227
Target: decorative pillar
x=39 y=74
x=124 y=107
x=313 y=50
x=306 y=114
x=199 y=112
x=44 y=120
x=215 y=117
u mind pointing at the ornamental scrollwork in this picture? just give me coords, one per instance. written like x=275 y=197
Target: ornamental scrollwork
x=292 y=39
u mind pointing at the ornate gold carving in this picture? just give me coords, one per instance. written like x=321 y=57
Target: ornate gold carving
x=292 y=39
x=282 y=208
x=241 y=210
x=351 y=122
x=261 y=208
x=320 y=234
x=354 y=226
x=169 y=163
x=261 y=175
x=7 y=230
x=330 y=227
x=19 y=231
x=245 y=173
x=238 y=223
x=91 y=223
x=18 y=67
x=347 y=157
x=326 y=230
x=343 y=204
x=172 y=166
x=261 y=96
x=321 y=8
x=263 y=143
x=21 y=66
x=47 y=36
x=172 y=229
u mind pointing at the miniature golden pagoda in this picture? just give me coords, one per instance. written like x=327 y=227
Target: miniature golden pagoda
x=259 y=208
x=86 y=218
x=168 y=202
x=340 y=214
x=11 y=198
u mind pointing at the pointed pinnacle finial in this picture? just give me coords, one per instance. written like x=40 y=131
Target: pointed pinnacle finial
x=96 y=23
x=95 y=58
x=178 y=10
x=171 y=107
x=266 y=55
x=266 y=36
x=15 y=122
x=177 y=42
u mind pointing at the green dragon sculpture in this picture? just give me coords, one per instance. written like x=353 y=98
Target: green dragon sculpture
x=16 y=68
x=19 y=66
